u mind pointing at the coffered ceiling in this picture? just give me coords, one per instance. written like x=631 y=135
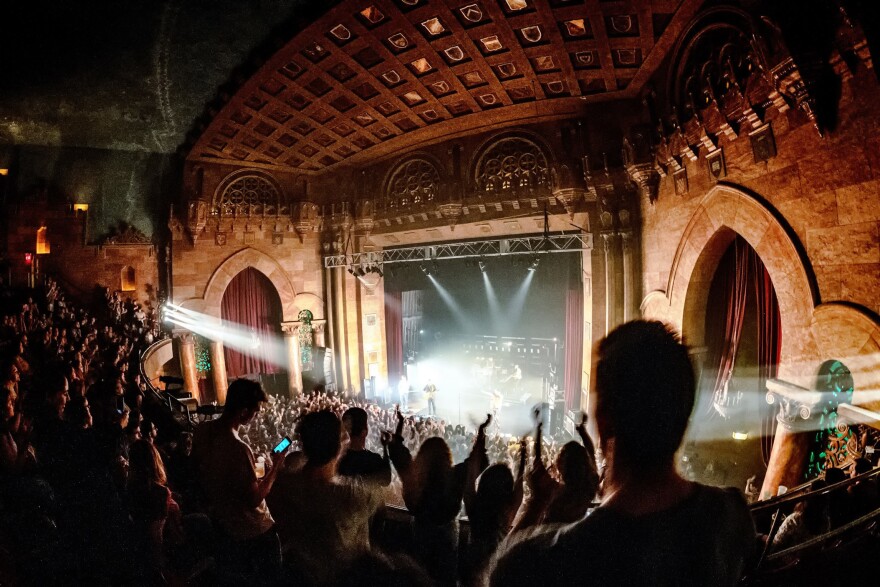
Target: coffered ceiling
x=373 y=77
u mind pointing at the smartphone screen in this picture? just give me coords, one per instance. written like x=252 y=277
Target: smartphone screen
x=282 y=446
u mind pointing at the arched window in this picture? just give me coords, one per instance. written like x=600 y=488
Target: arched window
x=43 y=247
x=248 y=195
x=127 y=279
x=512 y=164
x=413 y=182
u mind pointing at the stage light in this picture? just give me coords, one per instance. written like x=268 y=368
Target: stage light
x=535 y=262
x=482 y=267
x=377 y=270
x=425 y=270
x=740 y=435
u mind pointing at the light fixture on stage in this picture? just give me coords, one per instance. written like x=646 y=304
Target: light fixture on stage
x=482 y=267
x=535 y=262
x=425 y=270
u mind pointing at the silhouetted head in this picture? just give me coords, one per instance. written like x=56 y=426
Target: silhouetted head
x=321 y=436
x=496 y=482
x=572 y=463
x=145 y=464
x=433 y=460
x=645 y=393
x=355 y=420
x=244 y=399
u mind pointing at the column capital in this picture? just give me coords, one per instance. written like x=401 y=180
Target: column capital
x=185 y=336
x=797 y=405
x=290 y=328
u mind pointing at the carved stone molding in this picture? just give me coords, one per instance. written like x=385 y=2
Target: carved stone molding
x=646 y=177
x=796 y=404
x=290 y=329
x=185 y=337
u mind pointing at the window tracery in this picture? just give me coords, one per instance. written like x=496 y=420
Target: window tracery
x=414 y=183
x=248 y=195
x=512 y=164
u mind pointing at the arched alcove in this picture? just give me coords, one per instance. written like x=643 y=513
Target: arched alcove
x=234 y=265
x=251 y=308
x=727 y=211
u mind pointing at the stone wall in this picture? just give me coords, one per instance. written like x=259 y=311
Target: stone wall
x=813 y=214
x=80 y=268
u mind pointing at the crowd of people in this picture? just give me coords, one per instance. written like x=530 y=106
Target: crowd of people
x=100 y=485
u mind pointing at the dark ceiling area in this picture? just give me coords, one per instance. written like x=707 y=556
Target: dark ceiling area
x=133 y=75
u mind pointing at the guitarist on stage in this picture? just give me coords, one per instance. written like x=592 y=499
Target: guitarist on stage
x=430 y=394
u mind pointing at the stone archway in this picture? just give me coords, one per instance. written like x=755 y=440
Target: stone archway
x=724 y=212
x=216 y=286
x=811 y=332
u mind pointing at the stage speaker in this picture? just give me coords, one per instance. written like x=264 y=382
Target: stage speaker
x=370 y=389
x=557 y=417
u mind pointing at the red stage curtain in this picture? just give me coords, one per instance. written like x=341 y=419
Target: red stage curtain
x=574 y=342
x=769 y=338
x=251 y=302
x=394 y=334
x=735 y=310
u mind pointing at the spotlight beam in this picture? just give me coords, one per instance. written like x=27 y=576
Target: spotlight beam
x=234 y=336
x=494 y=306
x=518 y=302
x=450 y=302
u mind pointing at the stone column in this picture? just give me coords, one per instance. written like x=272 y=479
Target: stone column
x=792 y=441
x=218 y=371
x=318 y=327
x=294 y=362
x=609 y=282
x=626 y=251
x=186 y=342
x=341 y=327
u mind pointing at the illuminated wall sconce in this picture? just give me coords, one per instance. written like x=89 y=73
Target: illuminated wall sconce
x=4 y=172
x=80 y=207
x=43 y=247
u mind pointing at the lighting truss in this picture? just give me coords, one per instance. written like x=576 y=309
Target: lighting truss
x=527 y=245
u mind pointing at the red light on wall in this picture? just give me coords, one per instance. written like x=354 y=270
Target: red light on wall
x=28 y=258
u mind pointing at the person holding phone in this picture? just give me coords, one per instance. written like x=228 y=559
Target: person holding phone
x=323 y=516
x=236 y=497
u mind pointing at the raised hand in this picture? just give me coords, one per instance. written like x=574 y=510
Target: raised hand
x=485 y=423
x=582 y=426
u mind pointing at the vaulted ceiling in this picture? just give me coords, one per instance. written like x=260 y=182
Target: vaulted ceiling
x=374 y=77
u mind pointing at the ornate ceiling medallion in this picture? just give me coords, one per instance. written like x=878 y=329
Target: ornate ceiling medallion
x=491 y=44
x=621 y=24
x=532 y=34
x=341 y=32
x=372 y=14
x=421 y=66
x=454 y=53
x=576 y=27
x=412 y=98
x=399 y=41
x=391 y=77
x=472 y=12
x=506 y=70
x=434 y=26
